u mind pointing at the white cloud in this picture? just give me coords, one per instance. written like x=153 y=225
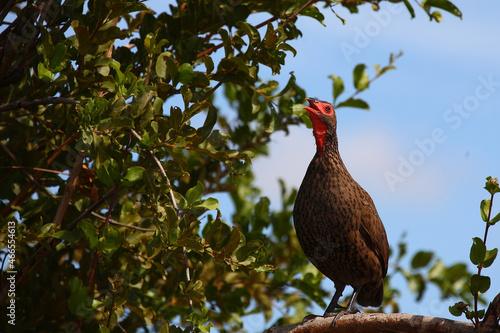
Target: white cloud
x=368 y=152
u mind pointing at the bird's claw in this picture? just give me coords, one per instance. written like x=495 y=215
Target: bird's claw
x=309 y=318
x=337 y=315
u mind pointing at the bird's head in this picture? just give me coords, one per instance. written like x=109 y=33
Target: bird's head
x=324 y=122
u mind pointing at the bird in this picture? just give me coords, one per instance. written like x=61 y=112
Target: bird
x=336 y=222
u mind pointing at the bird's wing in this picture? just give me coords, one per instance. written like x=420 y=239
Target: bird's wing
x=373 y=232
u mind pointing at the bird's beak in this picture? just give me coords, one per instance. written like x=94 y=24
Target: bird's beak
x=312 y=105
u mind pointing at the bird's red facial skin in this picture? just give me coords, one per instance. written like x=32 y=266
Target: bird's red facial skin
x=319 y=127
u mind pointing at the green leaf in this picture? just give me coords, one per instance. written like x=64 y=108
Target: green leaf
x=121 y=8
x=79 y=302
x=58 y=58
x=112 y=238
x=485 y=209
x=103 y=329
x=161 y=66
x=489 y=258
x=479 y=283
x=442 y=4
x=226 y=40
x=109 y=172
x=44 y=73
x=119 y=76
x=245 y=251
x=494 y=220
x=219 y=235
x=209 y=124
x=454 y=311
x=458 y=309
x=262 y=209
x=315 y=14
x=477 y=251
x=209 y=63
x=234 y=240
x=138 y=106
x=149 y=43
x=409 y=7
x=383 y=70
x=421 y=259
x=287 y=47
x=251 y=31
x=209 y=203
x=360 y=77
x=217 y=138
x=354 y=103
x=338 y=86
x=492 y=185
x=194 y=194
x=134 y=173
x=84 y=46
x=65 y=235
x=166 y=64
x=90 y=232
x=416 y=283
x=185 y=73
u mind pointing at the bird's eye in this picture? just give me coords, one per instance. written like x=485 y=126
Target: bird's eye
x=328 y=109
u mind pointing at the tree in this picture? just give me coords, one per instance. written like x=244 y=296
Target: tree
x=113 y=147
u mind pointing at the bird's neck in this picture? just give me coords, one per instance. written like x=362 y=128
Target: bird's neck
x=326 y=141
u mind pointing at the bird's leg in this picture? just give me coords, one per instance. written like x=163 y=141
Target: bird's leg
x=334 y=304
x=350 y=307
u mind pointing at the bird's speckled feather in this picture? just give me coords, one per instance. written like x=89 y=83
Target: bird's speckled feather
x=336 y=221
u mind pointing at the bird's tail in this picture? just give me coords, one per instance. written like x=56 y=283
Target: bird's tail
x=371 y=294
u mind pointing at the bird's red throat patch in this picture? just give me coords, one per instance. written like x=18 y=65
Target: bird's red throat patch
x=319 y=130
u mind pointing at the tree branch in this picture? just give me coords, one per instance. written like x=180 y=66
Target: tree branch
x=491 y=321
x=378 y=322
x=42 y=251
x=307 y=4
x=27 y=190
x=123 y=224
x=70 y=188
x=216 y=47
x=40 y=101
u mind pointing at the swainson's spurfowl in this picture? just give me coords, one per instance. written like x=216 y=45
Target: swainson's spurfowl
x=336 y=221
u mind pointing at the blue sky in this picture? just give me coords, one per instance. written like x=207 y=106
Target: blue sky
x=433 y=125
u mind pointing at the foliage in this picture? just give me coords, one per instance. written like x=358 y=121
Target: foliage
x=114 y=149
x=481 y=258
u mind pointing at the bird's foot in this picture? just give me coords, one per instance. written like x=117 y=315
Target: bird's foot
x=343 y=311
x=309 y=318
x=336 y=315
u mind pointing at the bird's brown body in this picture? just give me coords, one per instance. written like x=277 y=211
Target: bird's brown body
x=336 y=221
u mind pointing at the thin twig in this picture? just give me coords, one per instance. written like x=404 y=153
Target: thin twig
x=42 y=252
x=27 y=191
x=70 y=188
x=123 y=224
x=212 y=91
x=307 y=4
x=35 y=169
x=216 y=47
x=40 y=101
x=28 y=175
x=174 y=204
x=162 y=170
x=97 y=252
